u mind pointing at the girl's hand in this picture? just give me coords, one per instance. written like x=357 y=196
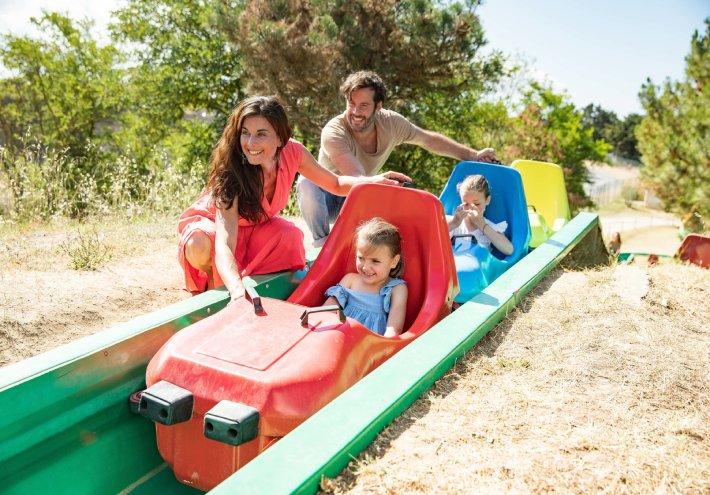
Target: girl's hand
x=460 y=213
x=389 y=333
x=477 y=220
x=390 y=178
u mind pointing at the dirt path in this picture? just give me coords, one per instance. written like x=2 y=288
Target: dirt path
x=643 y=230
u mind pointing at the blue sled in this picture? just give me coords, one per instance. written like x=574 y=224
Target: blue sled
x=477 y=267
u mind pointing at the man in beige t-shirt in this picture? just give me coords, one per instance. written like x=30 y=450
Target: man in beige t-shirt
x=359 y=141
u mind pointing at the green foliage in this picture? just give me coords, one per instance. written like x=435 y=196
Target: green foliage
x=549 y=128
x=674 y=137
x=43 y=183
x=86 y=250
x=66 y=88
x=131 y=127
x=462 y=117
x=187 y=76
x=618 y=133
x=302 y=50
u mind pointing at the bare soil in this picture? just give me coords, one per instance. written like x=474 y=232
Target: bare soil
x=609 y=393
x=45 y=303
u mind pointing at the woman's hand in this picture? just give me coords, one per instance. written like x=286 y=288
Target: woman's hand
x=390 y=178
x=236 y=293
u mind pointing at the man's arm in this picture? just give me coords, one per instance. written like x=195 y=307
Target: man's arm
x=441 y=145
x=347 y=164
x=335 y=148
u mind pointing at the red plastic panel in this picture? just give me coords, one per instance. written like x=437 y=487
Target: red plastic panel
x=695 y=249
x=261 y=344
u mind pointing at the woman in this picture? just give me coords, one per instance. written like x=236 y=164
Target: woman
x=233 y=225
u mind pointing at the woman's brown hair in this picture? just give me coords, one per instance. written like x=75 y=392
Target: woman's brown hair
x=231 y=175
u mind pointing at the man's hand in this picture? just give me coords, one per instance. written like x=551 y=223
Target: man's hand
x=487 y=155
x=390 y=178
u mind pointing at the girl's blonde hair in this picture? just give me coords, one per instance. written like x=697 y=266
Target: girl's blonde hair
x=377 y=232
x=476 y=183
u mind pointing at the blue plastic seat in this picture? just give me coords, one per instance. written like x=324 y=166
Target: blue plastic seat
x=477 y=267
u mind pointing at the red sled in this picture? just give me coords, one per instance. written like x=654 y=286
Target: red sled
x=695 y=249
x=224 y=389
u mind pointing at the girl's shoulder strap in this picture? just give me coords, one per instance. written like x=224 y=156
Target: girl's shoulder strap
x=394 y=282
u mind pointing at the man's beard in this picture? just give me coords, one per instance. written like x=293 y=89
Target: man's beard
x=365 y=125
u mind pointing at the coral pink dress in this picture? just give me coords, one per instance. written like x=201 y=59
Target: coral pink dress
x=271 y=245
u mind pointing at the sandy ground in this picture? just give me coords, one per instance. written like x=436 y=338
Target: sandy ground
x=607 y=393
x=44 y=303
x=643 y=230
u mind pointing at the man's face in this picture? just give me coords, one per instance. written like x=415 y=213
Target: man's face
x=361 y=109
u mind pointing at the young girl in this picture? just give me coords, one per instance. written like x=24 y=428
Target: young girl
x=468 y=217
x=375 y=296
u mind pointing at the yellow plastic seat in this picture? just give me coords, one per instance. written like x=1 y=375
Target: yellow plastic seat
x=546 y=194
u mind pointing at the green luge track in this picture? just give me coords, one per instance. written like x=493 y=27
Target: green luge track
x=66 y=427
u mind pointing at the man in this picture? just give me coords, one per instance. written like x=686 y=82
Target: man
x=359 y=141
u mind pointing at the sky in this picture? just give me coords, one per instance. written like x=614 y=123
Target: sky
x=599 y=51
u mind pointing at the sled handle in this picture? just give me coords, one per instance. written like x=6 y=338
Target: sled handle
x=322 y=309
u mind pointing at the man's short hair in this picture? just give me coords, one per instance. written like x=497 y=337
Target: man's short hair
x=364 y=79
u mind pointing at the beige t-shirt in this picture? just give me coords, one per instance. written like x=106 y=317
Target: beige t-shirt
x=336 y=139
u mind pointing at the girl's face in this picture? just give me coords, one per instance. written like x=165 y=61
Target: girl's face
x=259 y=140
x=374 y=263
x=475 y=200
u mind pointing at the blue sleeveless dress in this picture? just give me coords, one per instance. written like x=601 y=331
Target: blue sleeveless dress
x=371 y=310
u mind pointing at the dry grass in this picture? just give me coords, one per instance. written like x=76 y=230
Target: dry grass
x=579 y=390
x=44 y=302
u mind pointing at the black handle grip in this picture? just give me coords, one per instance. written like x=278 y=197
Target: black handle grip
x=255 y=300
x=463 y=236
x=405 y=183
x=321 y=309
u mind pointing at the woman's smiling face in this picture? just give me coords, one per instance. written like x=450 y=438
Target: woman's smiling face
x=259 y=140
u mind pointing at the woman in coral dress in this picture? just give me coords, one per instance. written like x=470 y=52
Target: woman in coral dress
x=234 y=225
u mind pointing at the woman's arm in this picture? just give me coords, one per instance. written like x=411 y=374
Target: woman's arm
x=225 y=244
x=398 y=311
x=341 y=184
